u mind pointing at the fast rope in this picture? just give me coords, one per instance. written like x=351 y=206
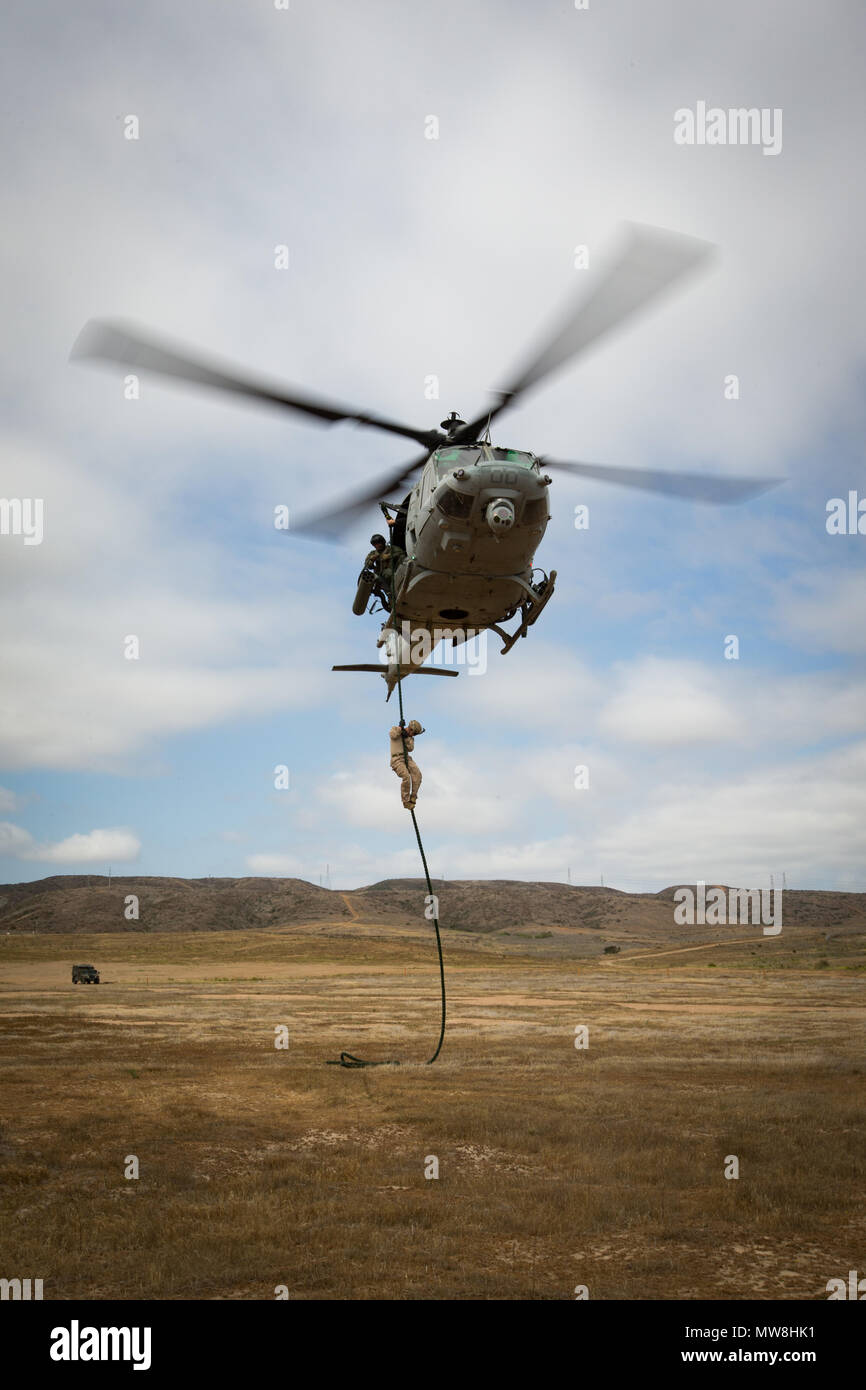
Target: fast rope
x=346 y=1059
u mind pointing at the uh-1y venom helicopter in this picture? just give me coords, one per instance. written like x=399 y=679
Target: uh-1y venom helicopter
x=464 y=538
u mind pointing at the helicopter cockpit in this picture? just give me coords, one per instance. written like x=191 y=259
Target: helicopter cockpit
x=448 y=484
x=468 y=455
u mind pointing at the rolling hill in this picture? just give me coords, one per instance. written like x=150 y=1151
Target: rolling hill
x=89 y=903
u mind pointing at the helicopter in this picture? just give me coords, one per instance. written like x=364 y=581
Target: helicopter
x=464 y=537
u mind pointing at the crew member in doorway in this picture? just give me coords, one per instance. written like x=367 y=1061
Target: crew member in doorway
x=382 y=562
x=402 y=764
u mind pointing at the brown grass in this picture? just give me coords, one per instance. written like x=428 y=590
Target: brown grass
x=558 y=1167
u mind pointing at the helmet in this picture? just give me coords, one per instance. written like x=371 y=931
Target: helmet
x=377 y=539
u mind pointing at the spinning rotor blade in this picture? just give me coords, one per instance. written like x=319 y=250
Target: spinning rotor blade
x=650 y=263
x=331 y=525
x=111 y=342
x=698 y=487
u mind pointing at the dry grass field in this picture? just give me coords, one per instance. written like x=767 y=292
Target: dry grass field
x=558 y=1167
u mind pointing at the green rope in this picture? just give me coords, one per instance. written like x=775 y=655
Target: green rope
x=346 y=1059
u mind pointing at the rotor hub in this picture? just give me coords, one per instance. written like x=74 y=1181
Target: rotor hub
x=452 y=424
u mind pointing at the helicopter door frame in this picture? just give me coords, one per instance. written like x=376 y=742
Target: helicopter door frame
x=428 y=485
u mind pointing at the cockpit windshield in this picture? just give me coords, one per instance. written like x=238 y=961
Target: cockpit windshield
x=457 y=456
x=513 y=456
x=467 y=455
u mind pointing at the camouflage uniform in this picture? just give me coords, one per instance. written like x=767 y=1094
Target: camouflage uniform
x=384 y=563
x=373 y=559
x=404 y=766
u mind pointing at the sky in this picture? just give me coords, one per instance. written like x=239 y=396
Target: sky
x=412 y=257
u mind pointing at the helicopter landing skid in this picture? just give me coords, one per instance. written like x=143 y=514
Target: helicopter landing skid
x=531 y=613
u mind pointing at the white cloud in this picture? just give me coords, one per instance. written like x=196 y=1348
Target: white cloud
x=156 y=510
x=826 y=609
x=487 y=810
x=805 y=818
x=736 y=827
x=280 y=865
x=14 y=841
x=531 y=693
x=96 y=846
x=368 y=793
x=672 y=704
x=668 y=703
x=71 y=698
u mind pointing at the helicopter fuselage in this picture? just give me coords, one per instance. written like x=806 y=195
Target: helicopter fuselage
x=472 y=525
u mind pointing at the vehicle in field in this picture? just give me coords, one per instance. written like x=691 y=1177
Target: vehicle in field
x=85 y=975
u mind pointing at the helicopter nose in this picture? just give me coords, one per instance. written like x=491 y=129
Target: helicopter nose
x=500 y=515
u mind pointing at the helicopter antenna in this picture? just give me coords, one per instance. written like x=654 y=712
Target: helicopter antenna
x=486 y=439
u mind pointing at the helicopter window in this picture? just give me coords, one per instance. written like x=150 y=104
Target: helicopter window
x=512 y=456
x=454 y=503
x=449 y=459
x=535 y=511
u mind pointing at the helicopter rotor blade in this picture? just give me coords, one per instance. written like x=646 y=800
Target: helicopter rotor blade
x=697 y=487
x=120 y=343
x=332 y=524
x=650 y=263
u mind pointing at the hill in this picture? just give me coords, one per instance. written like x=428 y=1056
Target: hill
x=69 y=903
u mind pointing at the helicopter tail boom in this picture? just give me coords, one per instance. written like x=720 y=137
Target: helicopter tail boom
x=394 y=673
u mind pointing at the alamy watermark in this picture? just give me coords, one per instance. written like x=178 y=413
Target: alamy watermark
x=719 y=907
x=854 y=1289
x=77 y=1343
x=846 y=518
x=462 y=647
x=21 y=1289
x=22 y=516
x=739 y=125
